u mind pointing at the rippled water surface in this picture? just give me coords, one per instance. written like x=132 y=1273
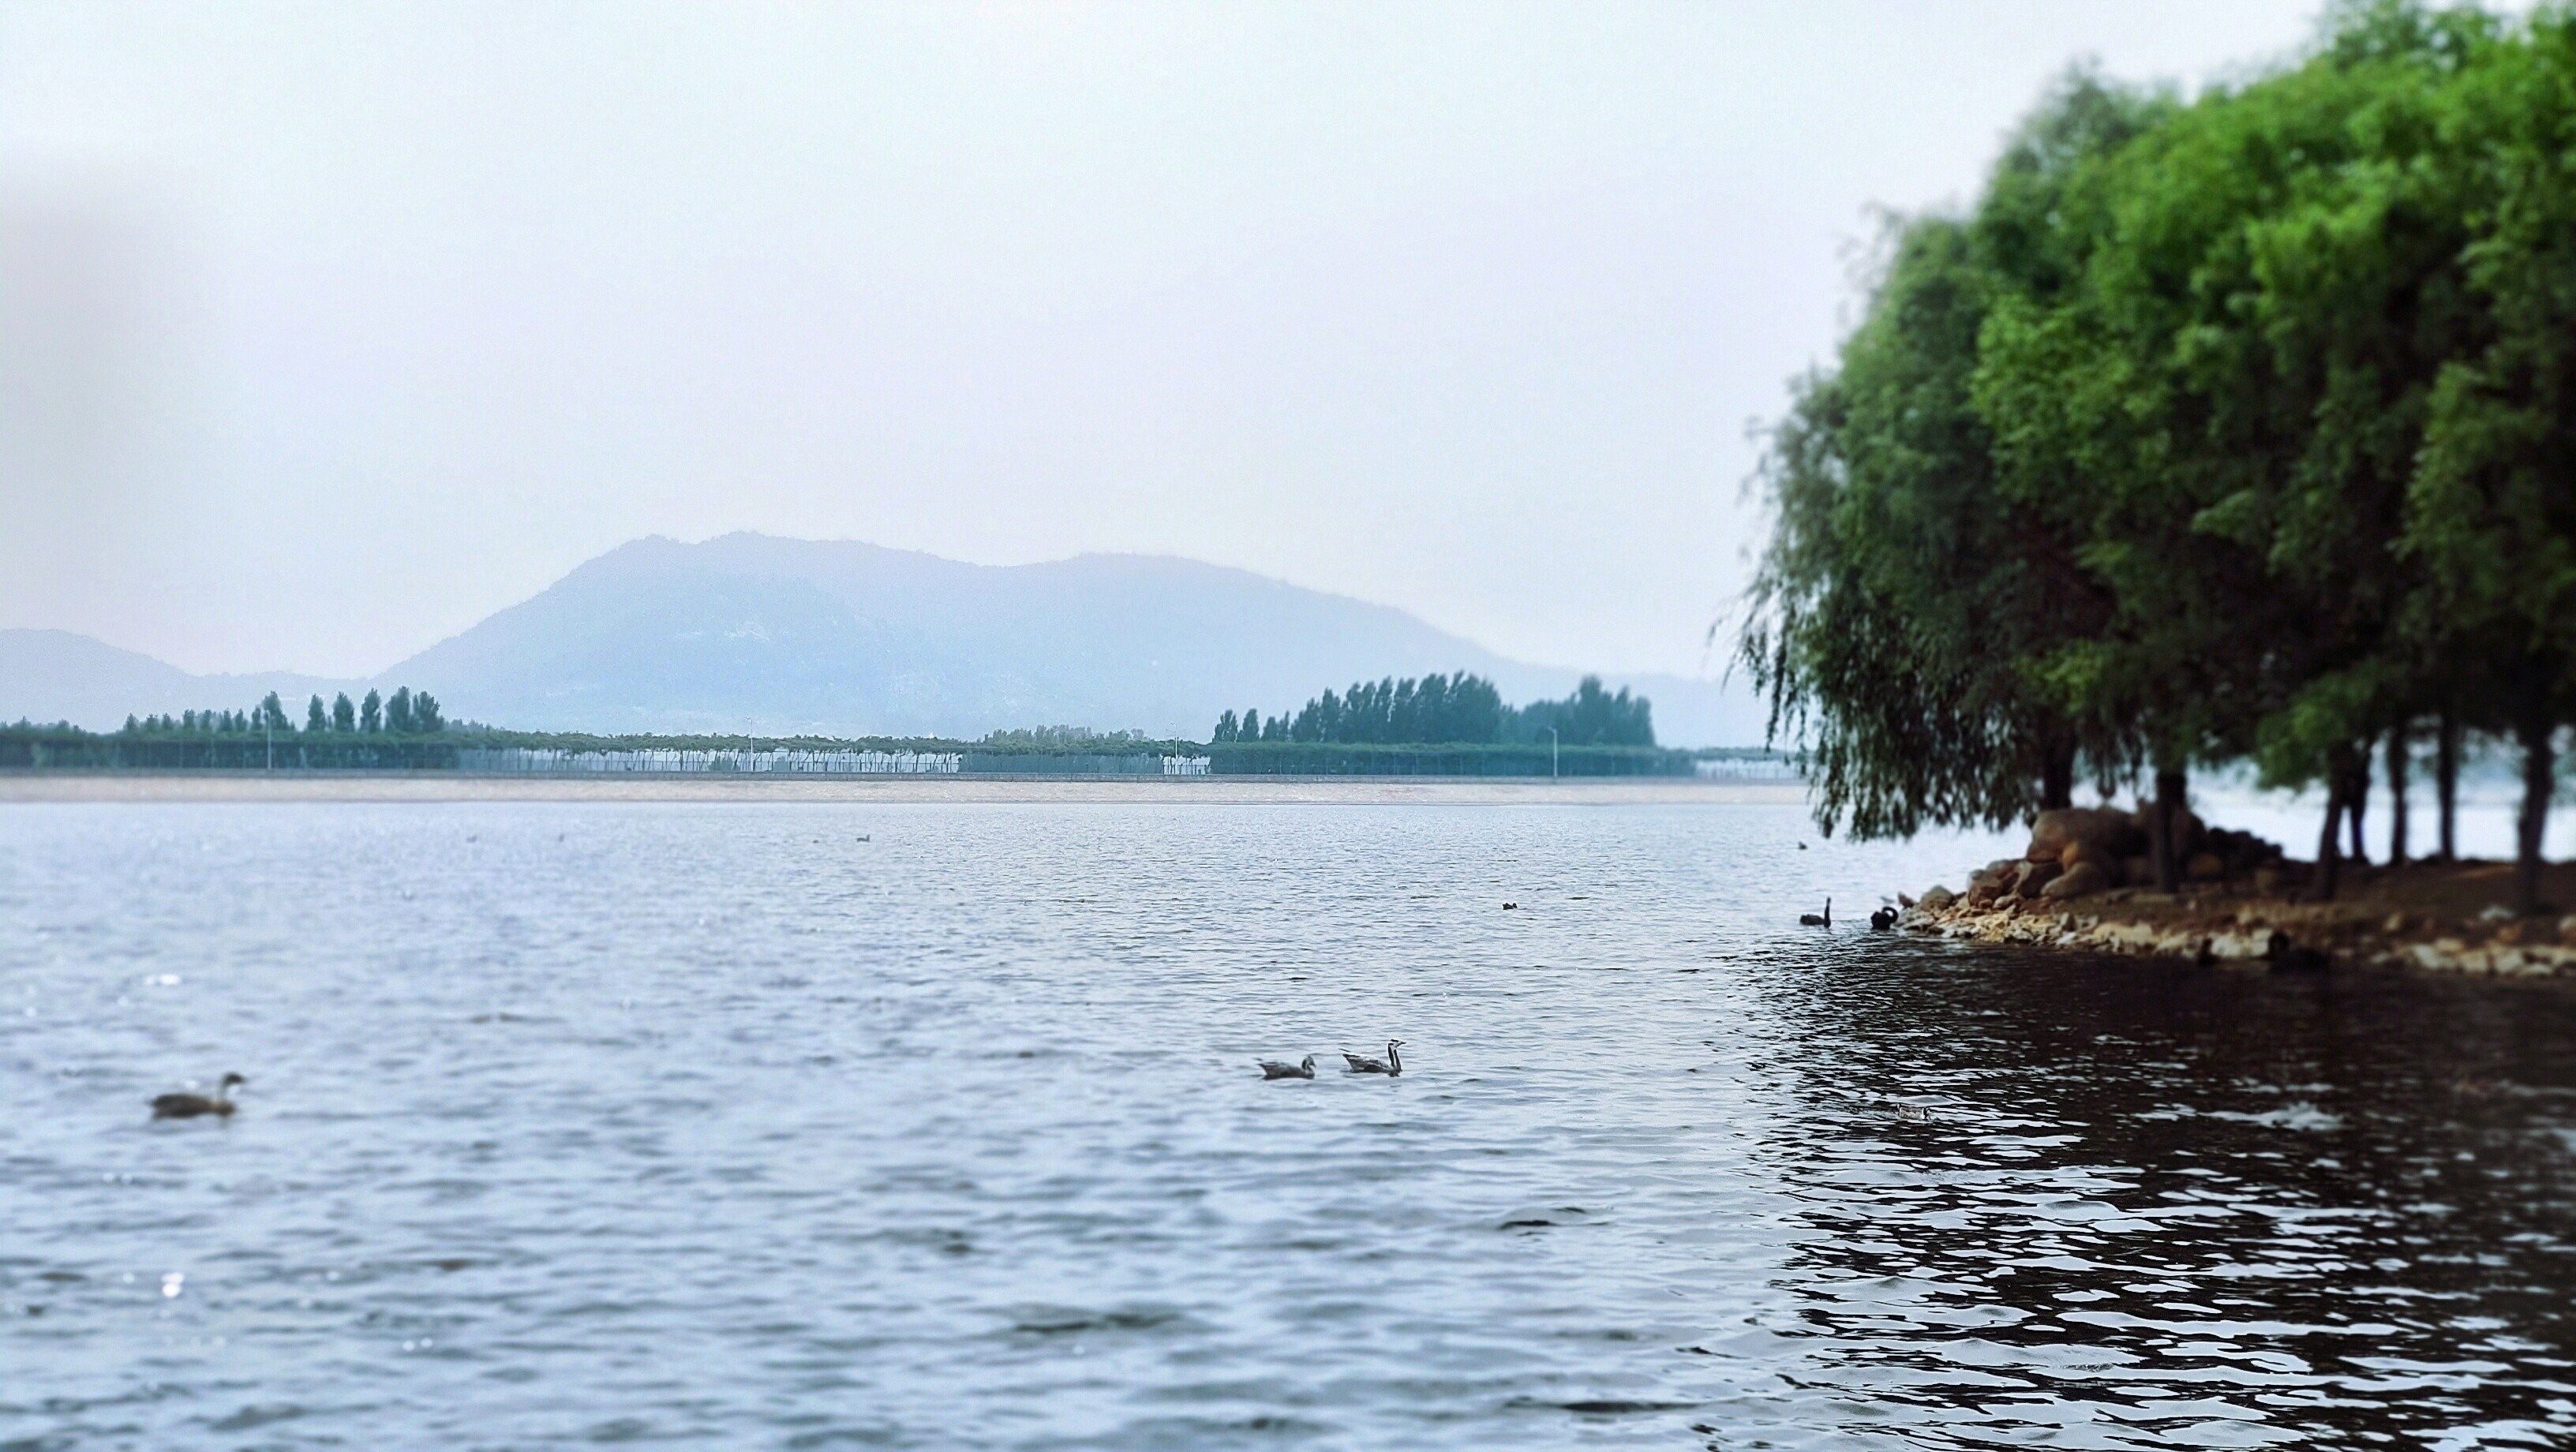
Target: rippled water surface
x=721 y=1124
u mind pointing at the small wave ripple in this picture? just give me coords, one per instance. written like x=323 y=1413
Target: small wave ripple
x=937 y=1126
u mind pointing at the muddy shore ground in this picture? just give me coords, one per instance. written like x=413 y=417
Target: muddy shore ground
x=2430 y=916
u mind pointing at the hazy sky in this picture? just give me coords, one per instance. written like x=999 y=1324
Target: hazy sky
x=327 y=329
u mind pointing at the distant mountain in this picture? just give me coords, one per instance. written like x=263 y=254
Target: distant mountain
x=54 y=675
x=779 y=637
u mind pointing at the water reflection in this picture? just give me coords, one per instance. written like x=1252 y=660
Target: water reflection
x=2160 y=1205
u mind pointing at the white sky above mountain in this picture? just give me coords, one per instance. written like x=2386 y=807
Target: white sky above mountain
x=326 y=330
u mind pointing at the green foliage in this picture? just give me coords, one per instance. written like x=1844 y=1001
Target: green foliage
x=1591 y=716
x=1432 y=708
x=1465 y=709
x=1922 y=577
x=1454 y=758
x=2236 y=430
x=1057 y=741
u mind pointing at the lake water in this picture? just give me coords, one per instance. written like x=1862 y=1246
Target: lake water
x=598 y=1123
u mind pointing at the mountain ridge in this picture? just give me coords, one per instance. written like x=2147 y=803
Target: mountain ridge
x=765 y=635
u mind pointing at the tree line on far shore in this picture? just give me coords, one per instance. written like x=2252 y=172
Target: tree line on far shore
x=404 y=713
x=1436 y=709
x=2232 y=430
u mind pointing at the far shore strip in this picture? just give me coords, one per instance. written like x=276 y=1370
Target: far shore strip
x=205 y=786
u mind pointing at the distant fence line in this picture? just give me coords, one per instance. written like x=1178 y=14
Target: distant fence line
x=874 y=763
x=45 y=748
x=1083 y=763
x=1749 y=768
x=543 y=760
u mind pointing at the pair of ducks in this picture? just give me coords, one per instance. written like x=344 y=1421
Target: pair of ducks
x=1390 y=1066
x=189 y=1106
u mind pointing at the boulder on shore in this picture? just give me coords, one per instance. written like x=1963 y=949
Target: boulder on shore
x=2077 y=881
x=2079 y=853
x=1937 y=900
x=2034 y=878
x=2107 y=828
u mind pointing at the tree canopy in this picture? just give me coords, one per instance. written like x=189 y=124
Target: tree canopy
x=1461 y=709
x=2235 y=430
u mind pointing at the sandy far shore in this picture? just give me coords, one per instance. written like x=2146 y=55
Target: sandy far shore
x=203 y=786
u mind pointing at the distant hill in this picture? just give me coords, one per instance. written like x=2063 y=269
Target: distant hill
x=55 y=675
x=778 y=637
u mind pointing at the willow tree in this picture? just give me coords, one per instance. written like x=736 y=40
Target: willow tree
x=1907 y=608
x=2491 y=511
x=2242 y=379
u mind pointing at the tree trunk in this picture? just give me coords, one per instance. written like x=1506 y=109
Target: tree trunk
x=2057 y=777
x=2321 y=883
x=2357 y=800
x=2397 y=745
x=2170 y=785
x=2539 y=778
x=2446 y=782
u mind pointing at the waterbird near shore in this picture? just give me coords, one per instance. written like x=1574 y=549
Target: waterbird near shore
x=1883 y=919
x=1390 y=1066
x=1812 y=920
x=189 y=1106
x=1302 y=1069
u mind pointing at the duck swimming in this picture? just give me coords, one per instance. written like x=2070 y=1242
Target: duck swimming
x=1303 y=1069
x=189 y=1106
x=1391 y=1065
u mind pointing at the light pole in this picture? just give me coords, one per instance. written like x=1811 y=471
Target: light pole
x=1551 y=753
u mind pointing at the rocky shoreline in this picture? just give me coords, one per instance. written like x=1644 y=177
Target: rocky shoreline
x=2239 y=904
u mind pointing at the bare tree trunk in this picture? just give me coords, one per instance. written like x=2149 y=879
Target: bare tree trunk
x=2397 y=745
x=2321 y=884
x=2057 y=777
x=2170 y=785
x=2357 y=801
x=2446 y=782
x=2539 y=779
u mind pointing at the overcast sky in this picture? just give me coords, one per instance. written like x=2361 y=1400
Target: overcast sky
x=326 y=330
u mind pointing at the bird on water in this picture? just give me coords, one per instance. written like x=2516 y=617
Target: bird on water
x=189 y=1106
x=1883 y=919
x=1303 y=1069
x=1812 y=920
x=1391 y=1065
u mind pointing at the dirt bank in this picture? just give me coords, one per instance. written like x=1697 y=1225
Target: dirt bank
x=2434 y=917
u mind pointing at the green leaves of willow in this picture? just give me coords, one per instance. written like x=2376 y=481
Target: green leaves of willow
x=2242 y=429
